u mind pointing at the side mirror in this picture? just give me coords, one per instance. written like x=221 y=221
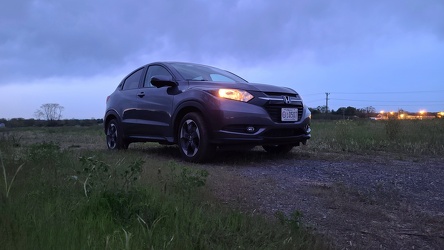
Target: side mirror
x=162 y=81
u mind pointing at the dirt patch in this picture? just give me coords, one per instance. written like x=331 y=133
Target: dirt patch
x=358 y=202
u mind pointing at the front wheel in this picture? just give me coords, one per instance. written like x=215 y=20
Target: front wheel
x=278 y=149
x=193 y=138
x=114 y=139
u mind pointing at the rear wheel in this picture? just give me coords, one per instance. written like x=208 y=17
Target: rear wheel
x=114 y=139
x=193 y=140
x=278 y=149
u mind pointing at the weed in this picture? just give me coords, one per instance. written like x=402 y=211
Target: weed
x=99 y=176
x=343 y=136
x=96 y=174
x=11 y=139
x=45 y=153
x=8 y=186
x=183 y=179
x=11 y=145
x=392 y=128
x=131 y=174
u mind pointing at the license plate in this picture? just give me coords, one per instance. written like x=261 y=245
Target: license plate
x=289 y=114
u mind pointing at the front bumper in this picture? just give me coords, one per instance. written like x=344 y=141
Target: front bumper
x=263 y=135
x=244 y=123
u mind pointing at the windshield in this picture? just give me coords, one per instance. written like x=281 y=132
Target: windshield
x=196 y=72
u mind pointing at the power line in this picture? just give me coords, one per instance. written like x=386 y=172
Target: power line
x=391 y=105
x=316 y=100
x=312 y=94
x=379 y=103
x=388 y=92
x=409 y=101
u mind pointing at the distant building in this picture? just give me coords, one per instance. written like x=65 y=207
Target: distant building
x=422 y=115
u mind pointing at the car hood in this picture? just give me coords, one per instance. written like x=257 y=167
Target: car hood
x=268 y=88
x=244 y=86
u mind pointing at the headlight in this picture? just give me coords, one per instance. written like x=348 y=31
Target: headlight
x=235 y=94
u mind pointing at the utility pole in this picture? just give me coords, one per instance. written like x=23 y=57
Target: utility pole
x=326 y=102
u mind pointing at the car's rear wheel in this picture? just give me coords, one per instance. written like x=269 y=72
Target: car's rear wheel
x=193 y=138
x=114 y=139
x=278 y=149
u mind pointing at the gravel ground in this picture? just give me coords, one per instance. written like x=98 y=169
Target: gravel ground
x=356 y=201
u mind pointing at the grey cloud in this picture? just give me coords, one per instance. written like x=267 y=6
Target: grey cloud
x=41 y=39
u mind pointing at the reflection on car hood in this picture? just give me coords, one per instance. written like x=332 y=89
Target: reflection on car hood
x=244 y=86
x=268 y=88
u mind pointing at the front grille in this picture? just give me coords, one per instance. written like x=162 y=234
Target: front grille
x=275 y=111
x=276 y=101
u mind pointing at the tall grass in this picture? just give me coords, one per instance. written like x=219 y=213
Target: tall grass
x=411 y=137
x=78 y=197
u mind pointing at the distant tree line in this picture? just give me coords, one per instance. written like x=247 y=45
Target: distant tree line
x=48 y=115
x=317 y=113
x=343 y=112
x=22 y=122
x=355 y=113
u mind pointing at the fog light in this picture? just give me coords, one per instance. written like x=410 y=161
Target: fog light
x=250 y=129
x=307 y=129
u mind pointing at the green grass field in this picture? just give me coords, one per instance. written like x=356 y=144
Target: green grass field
x=62 y=189
x=405 y=137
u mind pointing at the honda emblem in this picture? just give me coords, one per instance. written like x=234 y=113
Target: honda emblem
x=287 y=99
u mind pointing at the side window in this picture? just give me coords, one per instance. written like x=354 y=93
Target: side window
x=154 y=70
x=132 y=81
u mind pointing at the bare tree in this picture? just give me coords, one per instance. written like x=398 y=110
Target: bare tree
x=49 y=111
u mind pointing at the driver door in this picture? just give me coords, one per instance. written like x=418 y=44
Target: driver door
x=154 y=106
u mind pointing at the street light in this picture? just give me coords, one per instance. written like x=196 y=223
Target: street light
x=392 y=114
x=421 y=113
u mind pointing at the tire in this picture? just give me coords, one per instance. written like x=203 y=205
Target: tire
x=278 y=149
x=193 y=139
x=114 y=138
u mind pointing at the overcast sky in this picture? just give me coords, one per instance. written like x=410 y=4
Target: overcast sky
x=388 y=54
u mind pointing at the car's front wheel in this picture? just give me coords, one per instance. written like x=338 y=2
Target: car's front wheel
x=193 y=138
x=278 y=149
x=114 y=139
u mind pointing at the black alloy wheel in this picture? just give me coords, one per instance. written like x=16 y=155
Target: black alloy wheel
x=193 y=139
x=114 y=138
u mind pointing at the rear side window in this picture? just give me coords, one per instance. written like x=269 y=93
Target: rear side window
x=132 y=81
x=154 y=70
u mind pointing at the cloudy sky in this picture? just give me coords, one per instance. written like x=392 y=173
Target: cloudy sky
x=388 y=54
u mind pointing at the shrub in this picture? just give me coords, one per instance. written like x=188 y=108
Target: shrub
x=99 y=176
x=393 y=128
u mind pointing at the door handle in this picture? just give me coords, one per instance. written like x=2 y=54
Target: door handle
x=141 y=94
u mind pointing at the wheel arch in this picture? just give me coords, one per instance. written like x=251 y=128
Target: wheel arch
x=110 y=115
x=182 y=110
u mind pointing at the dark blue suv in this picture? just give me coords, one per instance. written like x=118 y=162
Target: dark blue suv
x=202 y=108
